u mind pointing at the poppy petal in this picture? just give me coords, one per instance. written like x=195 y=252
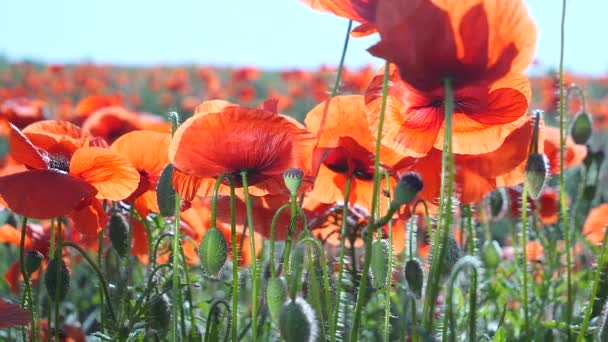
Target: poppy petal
x=91 y=219
x=12 y=315
x=112 y=175
x=25 y=152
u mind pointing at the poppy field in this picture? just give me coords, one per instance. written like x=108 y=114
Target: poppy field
x=446 y=196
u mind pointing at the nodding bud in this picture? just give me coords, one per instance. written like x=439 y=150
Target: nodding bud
x=414 y=277
x=379 y=263
x=293 y=179
x=408 y=186
x=119 y=234
x=536 y=173
x=276 y=294
x=297 y=321
x=213 y=252
x=490 y=253
x=33 y=259
x=57 y=288
x=496 y=203
x=159 y=315
x=581 y=128
x=165 y=194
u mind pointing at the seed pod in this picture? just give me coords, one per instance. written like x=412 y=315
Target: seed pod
x=379 y=263
x=119 y=234
x=408 y=186
x=297 y=321
x=165 y=194
x=213 y=252
x=293 y=179
x=159 y=316
x=276 y=295
x=536 y=173
x=581 y=129
x=56 y=265
x=491 y=253
x=33 y=259
x=414 y=277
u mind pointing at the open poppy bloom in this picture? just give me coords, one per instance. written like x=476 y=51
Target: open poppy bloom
x=227 y=139
x=92 y=103
x=67 y=175
x=596 y=224
x=112 y=122
x=484 y=114
x=347 y=147
x=473 y=42
x=361 y=11
x=147 y=152
x=13 y=315
x=22 y=111
x=575 y=154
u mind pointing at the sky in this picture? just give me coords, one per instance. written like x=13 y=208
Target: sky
x=273 y=34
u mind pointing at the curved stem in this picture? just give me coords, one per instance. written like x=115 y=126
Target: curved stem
x=562 y=181
x=254 y=257
x=211 y=312
x=102 y=280
x=273 y=225
x=368 y=241
x=465 y=262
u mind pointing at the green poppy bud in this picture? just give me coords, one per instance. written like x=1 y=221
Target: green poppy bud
x=293 y=179
x=297 y=321
x=276 y=295
x=33 y=259
x=213 y=252
x=491 y=253
x=159 y=316
x=57 y=267
x=414 y=276
x=581 y=128
x=497 y=203
x=408 y=186
x=536 y=173
x=379 y=263
x=165 y=194
x=119 y=234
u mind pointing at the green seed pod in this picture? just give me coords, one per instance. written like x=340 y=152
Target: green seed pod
x=276 y=295
x=165 y=194
x=119 y=234
x=293 y=179
x=379 y=263
x=491 y=252
x=159 y=316
x=581 y=129
x=51 y=281
x=33 y=259
x=414 y=277
x=408 y=186
x=297 y=321
x=536 y=173
x=213 y=252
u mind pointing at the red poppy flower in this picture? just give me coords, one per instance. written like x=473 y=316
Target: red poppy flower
x=22 y=111
x=110 y=123
x=81 y=174
x=548 y=206
x=575 y=154
x=596 y=224
x=236 y=139
x=469 y=41
x=92 y=103
x=484 y=114
x=362 y=11
x=12 y=315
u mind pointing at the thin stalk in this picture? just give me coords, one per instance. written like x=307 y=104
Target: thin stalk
x=26 y=280
x=273 y=226
x=334 y=90
x=235 y=264
x=389 y=278
x=596 y=283
x=473 y=291
x=254 y=257
x=333 y=326
x=562 y=181
x=58 y=255
x=446 y=188
x=175 y=284
x=49 y=312
x=102 y=319
x=524 y=252
x=292 y=228
x=368 y=241
x=188 y=293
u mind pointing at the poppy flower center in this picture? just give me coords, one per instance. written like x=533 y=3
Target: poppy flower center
x=59 y=162
x=337 y=161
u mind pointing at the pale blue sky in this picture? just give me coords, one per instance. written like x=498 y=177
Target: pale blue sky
x=267 y=33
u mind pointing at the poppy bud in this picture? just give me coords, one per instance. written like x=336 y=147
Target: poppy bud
x=497 y=203
x=159 y=315
x=491 y=253
x=56 y=265
x=536 y=173
x=452 y=256
x=276 y=295
x=297 y=321
x=408 y=186
x=414 y=276
x=165 y=194
x=33 y=259
x=293 y=179
x=379 y=263
x=213 y=252
x=581 y=128
x=119 y=234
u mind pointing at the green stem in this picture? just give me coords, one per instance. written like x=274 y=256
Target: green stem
x=593 y=294
x=49 y=312
x=102 y=280
x=368 y=241
x=389 y=278
x=336 y=87
x=254 y=257
x=290 y=233
x=26 y=281
x=102 y=318
x=57 y=256
x=273 y=226
x=188 y=293
x=473 y=291
x=175 y=284
x=562 y=181
x=524 y=252
x=235 y=264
